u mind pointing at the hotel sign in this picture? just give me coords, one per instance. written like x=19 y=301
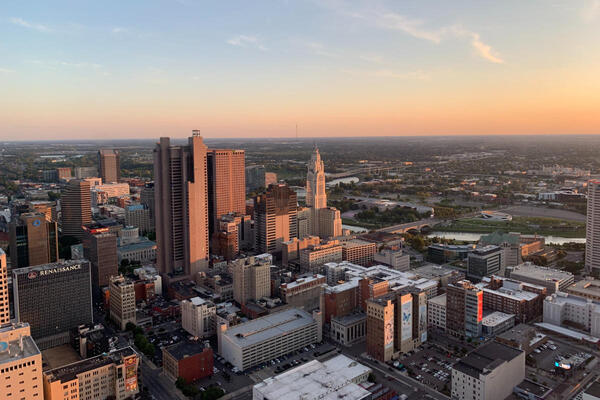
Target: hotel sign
x=51 y=271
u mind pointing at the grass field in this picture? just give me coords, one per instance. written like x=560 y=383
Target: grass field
x=525 y=225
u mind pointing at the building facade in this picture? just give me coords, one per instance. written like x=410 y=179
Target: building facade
x=107 y=376
x=358 y=252
x=109 y=165
x=181 y=206
x=592 y=235
x=100 y=248
x=485 y=261
x=198 y=317
x=122 y=301
x=53 y=299
x=251 y=279
x=76 y=208
x=33 y=240
x=313 y=258
x=226 y=184
x=436 y=312
x=275 y=218
x=188 y=360
x=464 y=309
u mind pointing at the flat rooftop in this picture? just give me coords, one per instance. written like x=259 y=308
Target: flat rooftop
x=540 y=273
x=486 y=358
x=185 y=349
x=593 y=389
x=11 y=350
x=518 y=295
x=69 y=372
x=350 y=318
x=439 y=300
x=586 y=287
x=496 y=318
x=330 y=380
x=268 y=327
x=303 y=280
x=432 y=271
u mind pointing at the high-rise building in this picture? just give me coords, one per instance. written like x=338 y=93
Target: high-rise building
x=85 y=172
x=275 y=218
x=358 y=251
x=315 y=182
x=226 y=184
x=251 y=279
x=592 y=236
x=76 y=208
x=108 y=165
x=100 y=248
x=33 y=240
x=4 y=305
x=324 y=221
x=255 y=177
x=181 y=206
x=464 y=309
x=122 y=301
x=138 y=215
x=53 y=299
x=147 y=199
x=107 y=376
x=198 y=317
x=225 y=241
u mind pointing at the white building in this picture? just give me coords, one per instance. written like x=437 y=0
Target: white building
x=198 y=317
x=393 y=257
x=497 y=322
x=561 y=307
x=122 y=301
x=436 y=312
x=489 y=373
x=334 y=379
x=266 y=338
x=592 y=235
x=553 y=279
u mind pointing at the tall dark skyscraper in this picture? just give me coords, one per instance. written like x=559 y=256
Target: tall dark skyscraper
x=76 y=208
x=181 y=206
x=4 y=305
x=53 y=299
x=275 y=218
x=33 y=240
x=109 y=165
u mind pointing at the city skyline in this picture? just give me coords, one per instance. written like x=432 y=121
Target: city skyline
x=335 y=68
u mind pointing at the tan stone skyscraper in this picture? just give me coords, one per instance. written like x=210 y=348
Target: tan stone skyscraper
x=324 y=221
x=181 y=206
x=33 y=240
x=315 y=182
x=76 y=208
x=108 y=165
x=226 y=184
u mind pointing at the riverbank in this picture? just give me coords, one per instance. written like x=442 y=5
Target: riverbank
x=525 y=225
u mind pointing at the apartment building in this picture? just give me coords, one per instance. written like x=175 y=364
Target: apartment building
x=198 y=317
x=122 y=301
x=358 y=251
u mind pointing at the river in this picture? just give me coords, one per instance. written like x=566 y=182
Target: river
x=355 y=229
x=474 y=237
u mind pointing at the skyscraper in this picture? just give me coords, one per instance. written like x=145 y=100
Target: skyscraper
x=592 y=237
x=226 y=184
x=324 y=221
x=100 y=248
x=4 y=305
x=76 y=208
x=315 y=182
x=181 y=206
x=33 y=240
x=108 y=165
x=275 y=218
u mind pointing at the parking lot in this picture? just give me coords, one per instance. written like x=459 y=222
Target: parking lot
x=430 y=366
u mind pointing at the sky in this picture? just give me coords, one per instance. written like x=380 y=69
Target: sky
x=149 y=68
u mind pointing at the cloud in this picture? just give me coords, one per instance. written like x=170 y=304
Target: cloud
x=388 y=73
x=389 y=20
x=119 y=29
x=29 y=25
x=590 y=11
x=319 y=49
x=6 y=71
x=247 y=41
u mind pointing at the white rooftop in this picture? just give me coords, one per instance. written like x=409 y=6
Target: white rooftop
x=542 y=273
x=567 y=332
x=304 y=279
x=330 y=380
x=496 y=318
x=440 y=300
x=264 y=328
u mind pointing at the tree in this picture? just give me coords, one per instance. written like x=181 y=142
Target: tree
x=212 y=393
x=130 y=326
x=371 y=377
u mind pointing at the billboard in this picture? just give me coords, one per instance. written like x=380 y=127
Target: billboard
x=406 y=327
x=131 y=373
x=422 y=317
x=388 y=334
